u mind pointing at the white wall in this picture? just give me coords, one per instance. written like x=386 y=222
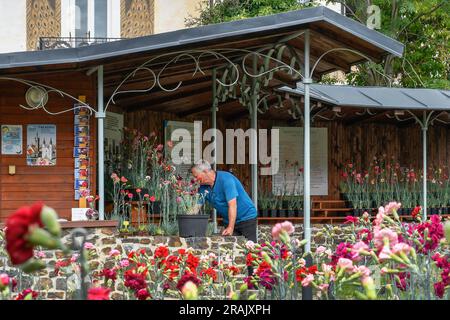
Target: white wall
x=13 y=29
x=170 y=15
x=333 y=6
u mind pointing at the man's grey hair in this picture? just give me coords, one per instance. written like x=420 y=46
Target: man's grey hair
x=202 y=166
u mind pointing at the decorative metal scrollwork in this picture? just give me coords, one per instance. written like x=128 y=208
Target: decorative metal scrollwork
x=41 y=92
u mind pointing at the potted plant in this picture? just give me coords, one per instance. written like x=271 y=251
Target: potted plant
x=263 y=204
x=292 y=205
x=192 y=222
x=273 y=205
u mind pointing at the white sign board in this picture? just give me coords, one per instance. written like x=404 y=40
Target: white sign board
x=289 y=179
x=113 y=130
x=79 y=214
x=193 y=138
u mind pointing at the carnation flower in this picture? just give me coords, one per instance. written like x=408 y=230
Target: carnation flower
x=401 y=247
x=18 y=227
x=385 y=234
x=188 y=277
x=4 y=281
x=320 y=249
x=345 y=264
x=98 y=293
x=286 y=226
x=143 y=294
x=307 y=281
x=114 y=252
x=27 y=294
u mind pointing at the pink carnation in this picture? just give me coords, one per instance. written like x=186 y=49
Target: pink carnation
x=391 y=206
x=401 y=247
x=280 y=227
x=345 y=264
x=381 y=235
x=308 y=279
x=385 y=253
x=114 y=252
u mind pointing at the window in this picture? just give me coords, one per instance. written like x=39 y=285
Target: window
x=90 y=18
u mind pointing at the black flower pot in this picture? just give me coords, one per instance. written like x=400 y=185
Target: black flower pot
x=264 y=213
x=282 y=213
x=356 y=212
x=434 y=211
x=192 y=225
x=273 y=213
x=299 y=213
x=291 y=213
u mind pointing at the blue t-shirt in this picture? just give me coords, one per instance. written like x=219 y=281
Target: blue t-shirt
x=226 y=188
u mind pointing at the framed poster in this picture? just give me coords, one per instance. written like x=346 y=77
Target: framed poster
x=191 y=140
x=11 y=139
x=289 y=179
x=41 y=145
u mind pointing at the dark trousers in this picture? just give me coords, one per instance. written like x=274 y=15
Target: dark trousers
x=247 y=229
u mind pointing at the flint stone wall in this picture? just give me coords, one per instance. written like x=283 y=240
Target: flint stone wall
x=56 y=286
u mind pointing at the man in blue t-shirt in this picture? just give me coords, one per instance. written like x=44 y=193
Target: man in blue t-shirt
x=227 y=195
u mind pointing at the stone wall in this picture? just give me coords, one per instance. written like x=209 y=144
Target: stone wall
x=53 y=286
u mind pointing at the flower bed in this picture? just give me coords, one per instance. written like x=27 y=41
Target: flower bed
x=379 y=259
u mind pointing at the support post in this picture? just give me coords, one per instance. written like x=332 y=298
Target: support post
x=100 y=115
x=424 y=142
x=214 y=127
x=254 y=135
x=307 y=291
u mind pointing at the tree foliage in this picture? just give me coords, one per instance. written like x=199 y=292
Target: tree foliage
x=423 y=26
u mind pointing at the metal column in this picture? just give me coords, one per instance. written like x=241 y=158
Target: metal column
x=100 y=115
x=424 y=142
x=307 y=291
x=306 y=151
x=214 y=127
x=254 y=135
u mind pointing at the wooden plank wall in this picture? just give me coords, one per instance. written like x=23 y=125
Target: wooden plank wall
x=55 y=184
x=358 y=143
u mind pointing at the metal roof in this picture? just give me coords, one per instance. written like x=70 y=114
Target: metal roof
x=195 y=37
x=377 y=97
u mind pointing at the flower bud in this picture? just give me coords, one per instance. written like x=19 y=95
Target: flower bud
x=369 y=287
x=252 y=297
x=267 y=258
x=243 y=288
x=50 y=220
x=4 y=281
x=190 y=291
x=33 y=265
x=41 y=237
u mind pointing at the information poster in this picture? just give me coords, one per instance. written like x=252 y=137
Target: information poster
x=11 y=139
x=190 y=139
x=41 y=145
x=289 y=179
x=81 y=151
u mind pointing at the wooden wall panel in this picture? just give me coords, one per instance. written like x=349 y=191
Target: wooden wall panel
x=54 y=184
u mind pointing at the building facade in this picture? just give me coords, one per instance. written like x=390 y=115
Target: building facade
x=45 y=24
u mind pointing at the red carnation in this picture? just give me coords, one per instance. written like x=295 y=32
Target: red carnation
x=109 y=274
x=161 y=252
x=210 y=272
x=143 y=294
x=17 y=229
x=25 y=293
x=186 y=278
x=98 y=293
